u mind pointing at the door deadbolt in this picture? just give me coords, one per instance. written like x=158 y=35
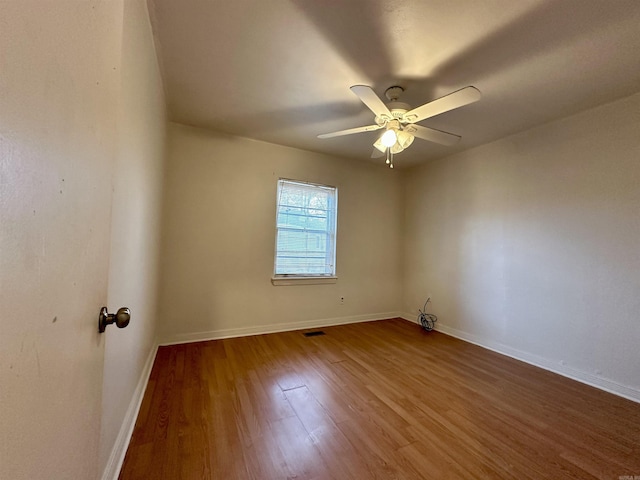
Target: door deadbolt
x=121 y=318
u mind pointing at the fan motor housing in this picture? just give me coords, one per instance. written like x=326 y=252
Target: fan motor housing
x=398 y=109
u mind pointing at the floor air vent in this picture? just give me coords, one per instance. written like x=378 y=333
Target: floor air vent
x=313 y=334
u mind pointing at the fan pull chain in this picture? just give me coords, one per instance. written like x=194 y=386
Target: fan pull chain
x=389 y=158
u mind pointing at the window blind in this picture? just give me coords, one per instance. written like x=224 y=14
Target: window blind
x=305 y=229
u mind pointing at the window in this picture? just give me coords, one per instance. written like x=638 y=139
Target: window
x=305 y=230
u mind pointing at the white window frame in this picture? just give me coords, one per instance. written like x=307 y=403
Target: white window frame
x=331 y=231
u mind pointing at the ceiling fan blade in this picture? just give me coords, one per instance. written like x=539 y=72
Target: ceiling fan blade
x=432 y=135
x=368 y=128
x=371 y=100
x=454 y=100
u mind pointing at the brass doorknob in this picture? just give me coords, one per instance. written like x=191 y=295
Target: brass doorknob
x=121 y=318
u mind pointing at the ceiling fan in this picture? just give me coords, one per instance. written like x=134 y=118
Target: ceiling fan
x=399 y=119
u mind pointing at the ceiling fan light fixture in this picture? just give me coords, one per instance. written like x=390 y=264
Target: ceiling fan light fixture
x=401 y=142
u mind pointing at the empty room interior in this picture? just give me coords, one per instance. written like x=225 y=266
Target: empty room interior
x=390 y=239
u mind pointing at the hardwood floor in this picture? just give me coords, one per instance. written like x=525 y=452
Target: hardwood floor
x=375 y=400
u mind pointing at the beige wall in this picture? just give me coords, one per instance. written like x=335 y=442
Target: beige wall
x=530 y=245
x=135 y=232
x=59 y=86
x=219 y=238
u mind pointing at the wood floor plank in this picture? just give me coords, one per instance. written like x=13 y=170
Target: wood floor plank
x=376 y=400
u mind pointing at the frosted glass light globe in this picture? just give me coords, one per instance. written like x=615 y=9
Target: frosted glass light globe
x=388 y=138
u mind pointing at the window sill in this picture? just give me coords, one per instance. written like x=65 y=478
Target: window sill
x=292 y=280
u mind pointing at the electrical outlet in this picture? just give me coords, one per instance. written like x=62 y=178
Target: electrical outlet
x=341 y=300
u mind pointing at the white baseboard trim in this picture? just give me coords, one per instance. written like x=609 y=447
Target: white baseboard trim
x=574 y=374
x=273 y=328
x=119 y=450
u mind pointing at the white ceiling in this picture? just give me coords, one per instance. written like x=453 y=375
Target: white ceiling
x=280 y=70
